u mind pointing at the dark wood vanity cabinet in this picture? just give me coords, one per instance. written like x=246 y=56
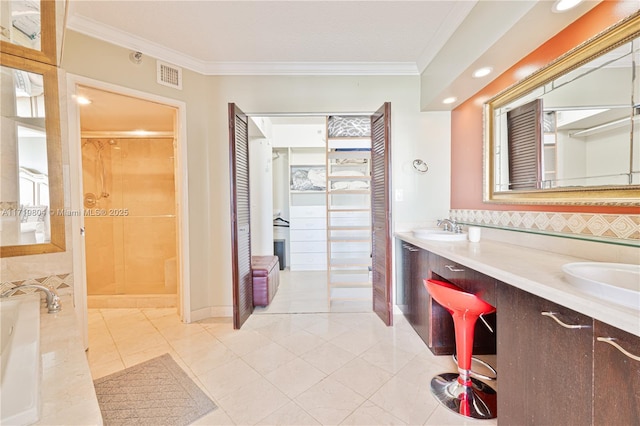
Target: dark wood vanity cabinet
x=432 y=322
x=548 y=373
x=544 y=368
x=616 y=377
x=553 y=375
x=411 y=296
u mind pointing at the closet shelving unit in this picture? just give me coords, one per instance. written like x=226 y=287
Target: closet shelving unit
x=348 y=218
x=307 y=212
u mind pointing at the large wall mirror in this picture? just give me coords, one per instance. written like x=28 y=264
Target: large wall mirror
x=570 y=133
x=31 y=192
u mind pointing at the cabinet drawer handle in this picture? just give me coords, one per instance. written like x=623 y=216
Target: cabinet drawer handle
x=452 y=268
x=408 y=247
x=611 y=341
x=553 y=316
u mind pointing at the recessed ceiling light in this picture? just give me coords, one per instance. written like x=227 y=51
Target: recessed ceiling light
x=563 y=5
x=482 y=72
x=449 y=100
x=82 y=100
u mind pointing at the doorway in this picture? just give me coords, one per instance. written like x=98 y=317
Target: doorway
x=379 y=212
x=129 y=182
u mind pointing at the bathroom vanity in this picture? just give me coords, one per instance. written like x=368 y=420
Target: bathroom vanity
x=548 y=373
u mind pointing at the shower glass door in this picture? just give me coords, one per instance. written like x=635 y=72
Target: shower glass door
x=130 y=221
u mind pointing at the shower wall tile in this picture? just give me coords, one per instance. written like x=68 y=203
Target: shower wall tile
x=149 y=245
x=148 y=178
x=99 y=245
x=131 y=250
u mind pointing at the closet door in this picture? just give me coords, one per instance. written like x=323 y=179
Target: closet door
x=381 y=212
x=240 y=216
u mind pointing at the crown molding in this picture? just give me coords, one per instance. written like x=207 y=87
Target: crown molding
x=114 y=36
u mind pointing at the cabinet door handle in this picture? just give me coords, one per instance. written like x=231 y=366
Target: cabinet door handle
x=408 y=247
x=452 y=268
x=611 y=341
x=553 y=316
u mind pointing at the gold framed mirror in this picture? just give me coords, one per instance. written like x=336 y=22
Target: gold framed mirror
x=31 y=192
x=570 y=132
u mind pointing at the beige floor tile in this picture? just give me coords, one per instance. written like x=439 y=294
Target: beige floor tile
x=289 y=415
x=277 y=328
x=131 y=359
x=329 y=401
x=300 y=342
x=422 y=368
x=132 y=345
x=407 y=341
x=106 y=368
x=155 y=313
x=387 y=357
x=295 y=377
x=209 y=358
x=179 y=330
x=443 y=417
x=370 y=414
x=328 y=362
x=193 y=343
x=328 y=357
x=214 y=418
x=253 y=402
x=410 y=403
x=226 y=379
x=355 y=341
x=268 y=358
x=361 y=376
x=102 y=354
x=244 y=342
x=327 y=328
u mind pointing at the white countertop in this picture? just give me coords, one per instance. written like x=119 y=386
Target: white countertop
x=535 y=271
x=68 y=395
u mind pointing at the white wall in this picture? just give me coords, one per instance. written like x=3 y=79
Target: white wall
x=261 y=192
x=413 y=134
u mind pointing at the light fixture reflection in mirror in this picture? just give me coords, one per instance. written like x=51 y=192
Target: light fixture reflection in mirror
x=570 y=132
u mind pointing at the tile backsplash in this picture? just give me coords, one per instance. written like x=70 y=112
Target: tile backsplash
x=62 y=283
x=603 y=226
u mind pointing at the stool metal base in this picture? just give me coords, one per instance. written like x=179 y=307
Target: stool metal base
x=478 y=401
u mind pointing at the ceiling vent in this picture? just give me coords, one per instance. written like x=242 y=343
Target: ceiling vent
x=169 y=75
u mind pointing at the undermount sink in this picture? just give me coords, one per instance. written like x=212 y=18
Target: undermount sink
x=616 y=282
x=437 y=234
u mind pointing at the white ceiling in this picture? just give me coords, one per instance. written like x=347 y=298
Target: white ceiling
x=332 y=37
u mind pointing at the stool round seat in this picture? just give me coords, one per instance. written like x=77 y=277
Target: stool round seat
x=460 y=392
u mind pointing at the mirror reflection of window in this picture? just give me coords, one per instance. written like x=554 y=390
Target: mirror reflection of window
x=24 y=190
x=591 y=130
x=20 y=22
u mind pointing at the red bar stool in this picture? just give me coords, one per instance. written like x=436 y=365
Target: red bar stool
x=461 y=393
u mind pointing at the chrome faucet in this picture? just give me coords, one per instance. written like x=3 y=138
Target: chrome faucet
x=450 y=225
x=53 y=300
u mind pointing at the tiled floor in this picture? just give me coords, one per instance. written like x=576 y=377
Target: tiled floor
x=306 y=292
x=298 y=369
x=299 y=361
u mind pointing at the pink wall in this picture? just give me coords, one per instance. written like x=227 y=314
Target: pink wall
x=466 y=120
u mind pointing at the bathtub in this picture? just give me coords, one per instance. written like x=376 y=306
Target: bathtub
x=20 y=376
